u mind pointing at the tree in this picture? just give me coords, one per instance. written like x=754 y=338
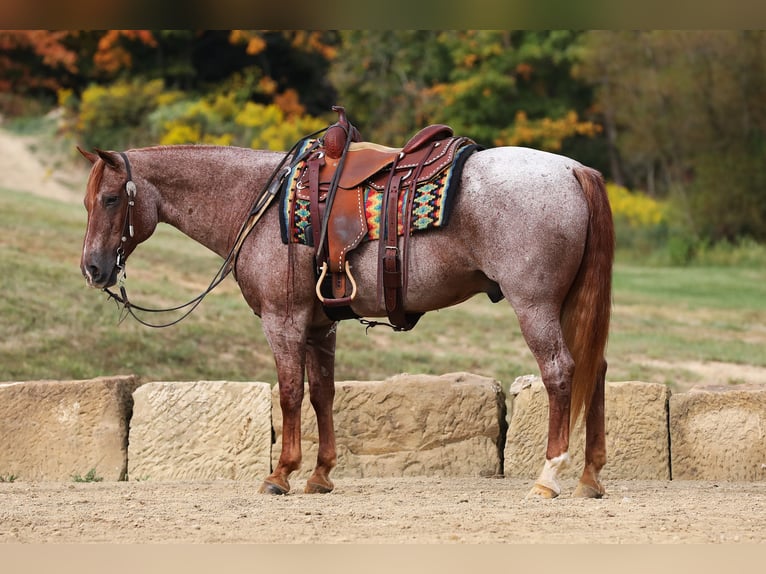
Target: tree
x=499 y=87
x=33 y=60
x=381 y=79
x=686 y=117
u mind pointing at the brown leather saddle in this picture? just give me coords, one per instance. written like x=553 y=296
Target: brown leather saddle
x=334 y=179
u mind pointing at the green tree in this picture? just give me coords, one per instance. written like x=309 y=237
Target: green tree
x=382 y=79
x=499 y=87
x=685 y=116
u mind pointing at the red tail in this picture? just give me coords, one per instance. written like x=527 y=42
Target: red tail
x=587 y=309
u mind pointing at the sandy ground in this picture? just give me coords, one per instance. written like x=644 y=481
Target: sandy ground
x=394 y=510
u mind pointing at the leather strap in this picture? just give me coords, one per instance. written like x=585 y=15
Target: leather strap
x=407 y=220
x=314 y=164
x=392 y=271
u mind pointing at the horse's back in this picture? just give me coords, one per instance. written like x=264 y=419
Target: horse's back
x=523 y=185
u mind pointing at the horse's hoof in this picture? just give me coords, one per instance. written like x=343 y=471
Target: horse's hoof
x=585 y=490
x=542 y=492
x=319 y=487
x=270 y=487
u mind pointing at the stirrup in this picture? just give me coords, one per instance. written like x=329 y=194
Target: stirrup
x=342 y=300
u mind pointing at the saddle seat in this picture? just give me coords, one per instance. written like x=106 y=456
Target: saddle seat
x=433 y=147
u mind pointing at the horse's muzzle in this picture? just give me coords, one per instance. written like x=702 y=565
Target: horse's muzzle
x=99 y=275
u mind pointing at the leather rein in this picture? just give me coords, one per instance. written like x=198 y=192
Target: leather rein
x=262 y=202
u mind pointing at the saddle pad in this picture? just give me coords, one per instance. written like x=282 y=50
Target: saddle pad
x=431 y=204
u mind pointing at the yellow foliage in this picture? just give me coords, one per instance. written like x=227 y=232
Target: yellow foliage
x=637 y=209
x=222 y=139
x=167 y=98
x=254 y=115
x=203 y=122
x=272 y=129
x=65 y=97
x=180 y=133
x=119 y=103
x=546 y=133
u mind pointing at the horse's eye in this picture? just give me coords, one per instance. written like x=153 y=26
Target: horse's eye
x=111 y=200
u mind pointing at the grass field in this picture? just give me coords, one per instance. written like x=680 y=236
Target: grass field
x=665 y=321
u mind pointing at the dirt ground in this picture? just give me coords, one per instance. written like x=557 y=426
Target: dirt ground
x=393 y=510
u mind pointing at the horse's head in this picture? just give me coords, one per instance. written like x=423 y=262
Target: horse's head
x=120 y=216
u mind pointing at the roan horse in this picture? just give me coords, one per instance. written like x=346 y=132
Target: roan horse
x=532 y=227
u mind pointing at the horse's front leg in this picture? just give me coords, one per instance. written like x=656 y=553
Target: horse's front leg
x=320 y=366
x=289 y=348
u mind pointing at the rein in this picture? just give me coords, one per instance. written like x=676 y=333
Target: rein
x=261 y=203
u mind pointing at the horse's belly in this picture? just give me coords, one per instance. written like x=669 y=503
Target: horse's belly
x=438 y=276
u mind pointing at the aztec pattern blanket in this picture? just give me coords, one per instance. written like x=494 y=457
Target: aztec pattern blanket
x=431 y=204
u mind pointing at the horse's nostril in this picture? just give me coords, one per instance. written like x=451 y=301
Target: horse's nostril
x=93 y=272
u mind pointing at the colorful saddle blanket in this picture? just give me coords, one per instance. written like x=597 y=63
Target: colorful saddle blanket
x=431 y=204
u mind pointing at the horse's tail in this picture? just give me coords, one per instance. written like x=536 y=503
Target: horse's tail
x=587 y=307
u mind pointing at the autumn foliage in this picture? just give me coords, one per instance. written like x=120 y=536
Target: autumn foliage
x=32 y=59
x=680 y=115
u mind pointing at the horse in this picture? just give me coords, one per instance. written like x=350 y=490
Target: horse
x=528 y=226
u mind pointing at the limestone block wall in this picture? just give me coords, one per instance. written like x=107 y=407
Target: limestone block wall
x=636 y=432
x=718 y=435
x=409 y=425
x=451 y=425
x=54 y=430
x=202 y=430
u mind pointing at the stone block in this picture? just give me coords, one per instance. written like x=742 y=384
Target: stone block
x=636 y=432
x=409 y=425
x=204 y=430
x=718 y=435
x=56 y=430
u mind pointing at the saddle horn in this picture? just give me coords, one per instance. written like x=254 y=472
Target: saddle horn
x=337 y=134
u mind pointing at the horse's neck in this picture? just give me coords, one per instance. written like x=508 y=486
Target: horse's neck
x=206 y=192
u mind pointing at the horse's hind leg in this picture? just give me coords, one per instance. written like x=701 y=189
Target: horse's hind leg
x=542 y=330
x=595 y=442
x=320 y=367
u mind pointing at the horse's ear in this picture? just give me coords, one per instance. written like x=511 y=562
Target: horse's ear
x=91 y=157
x=109 y=157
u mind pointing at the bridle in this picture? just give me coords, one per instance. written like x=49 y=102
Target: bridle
x=128 y=230
x=262 y=201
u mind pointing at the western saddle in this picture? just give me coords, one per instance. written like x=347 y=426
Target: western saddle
x=333 y=180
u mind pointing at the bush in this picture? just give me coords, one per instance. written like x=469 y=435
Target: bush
x=268 y=128
x=641 y=223
x=208 y=121
x=139 y=113
x=221 y=120
x=115 y=116
x=745 y=252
